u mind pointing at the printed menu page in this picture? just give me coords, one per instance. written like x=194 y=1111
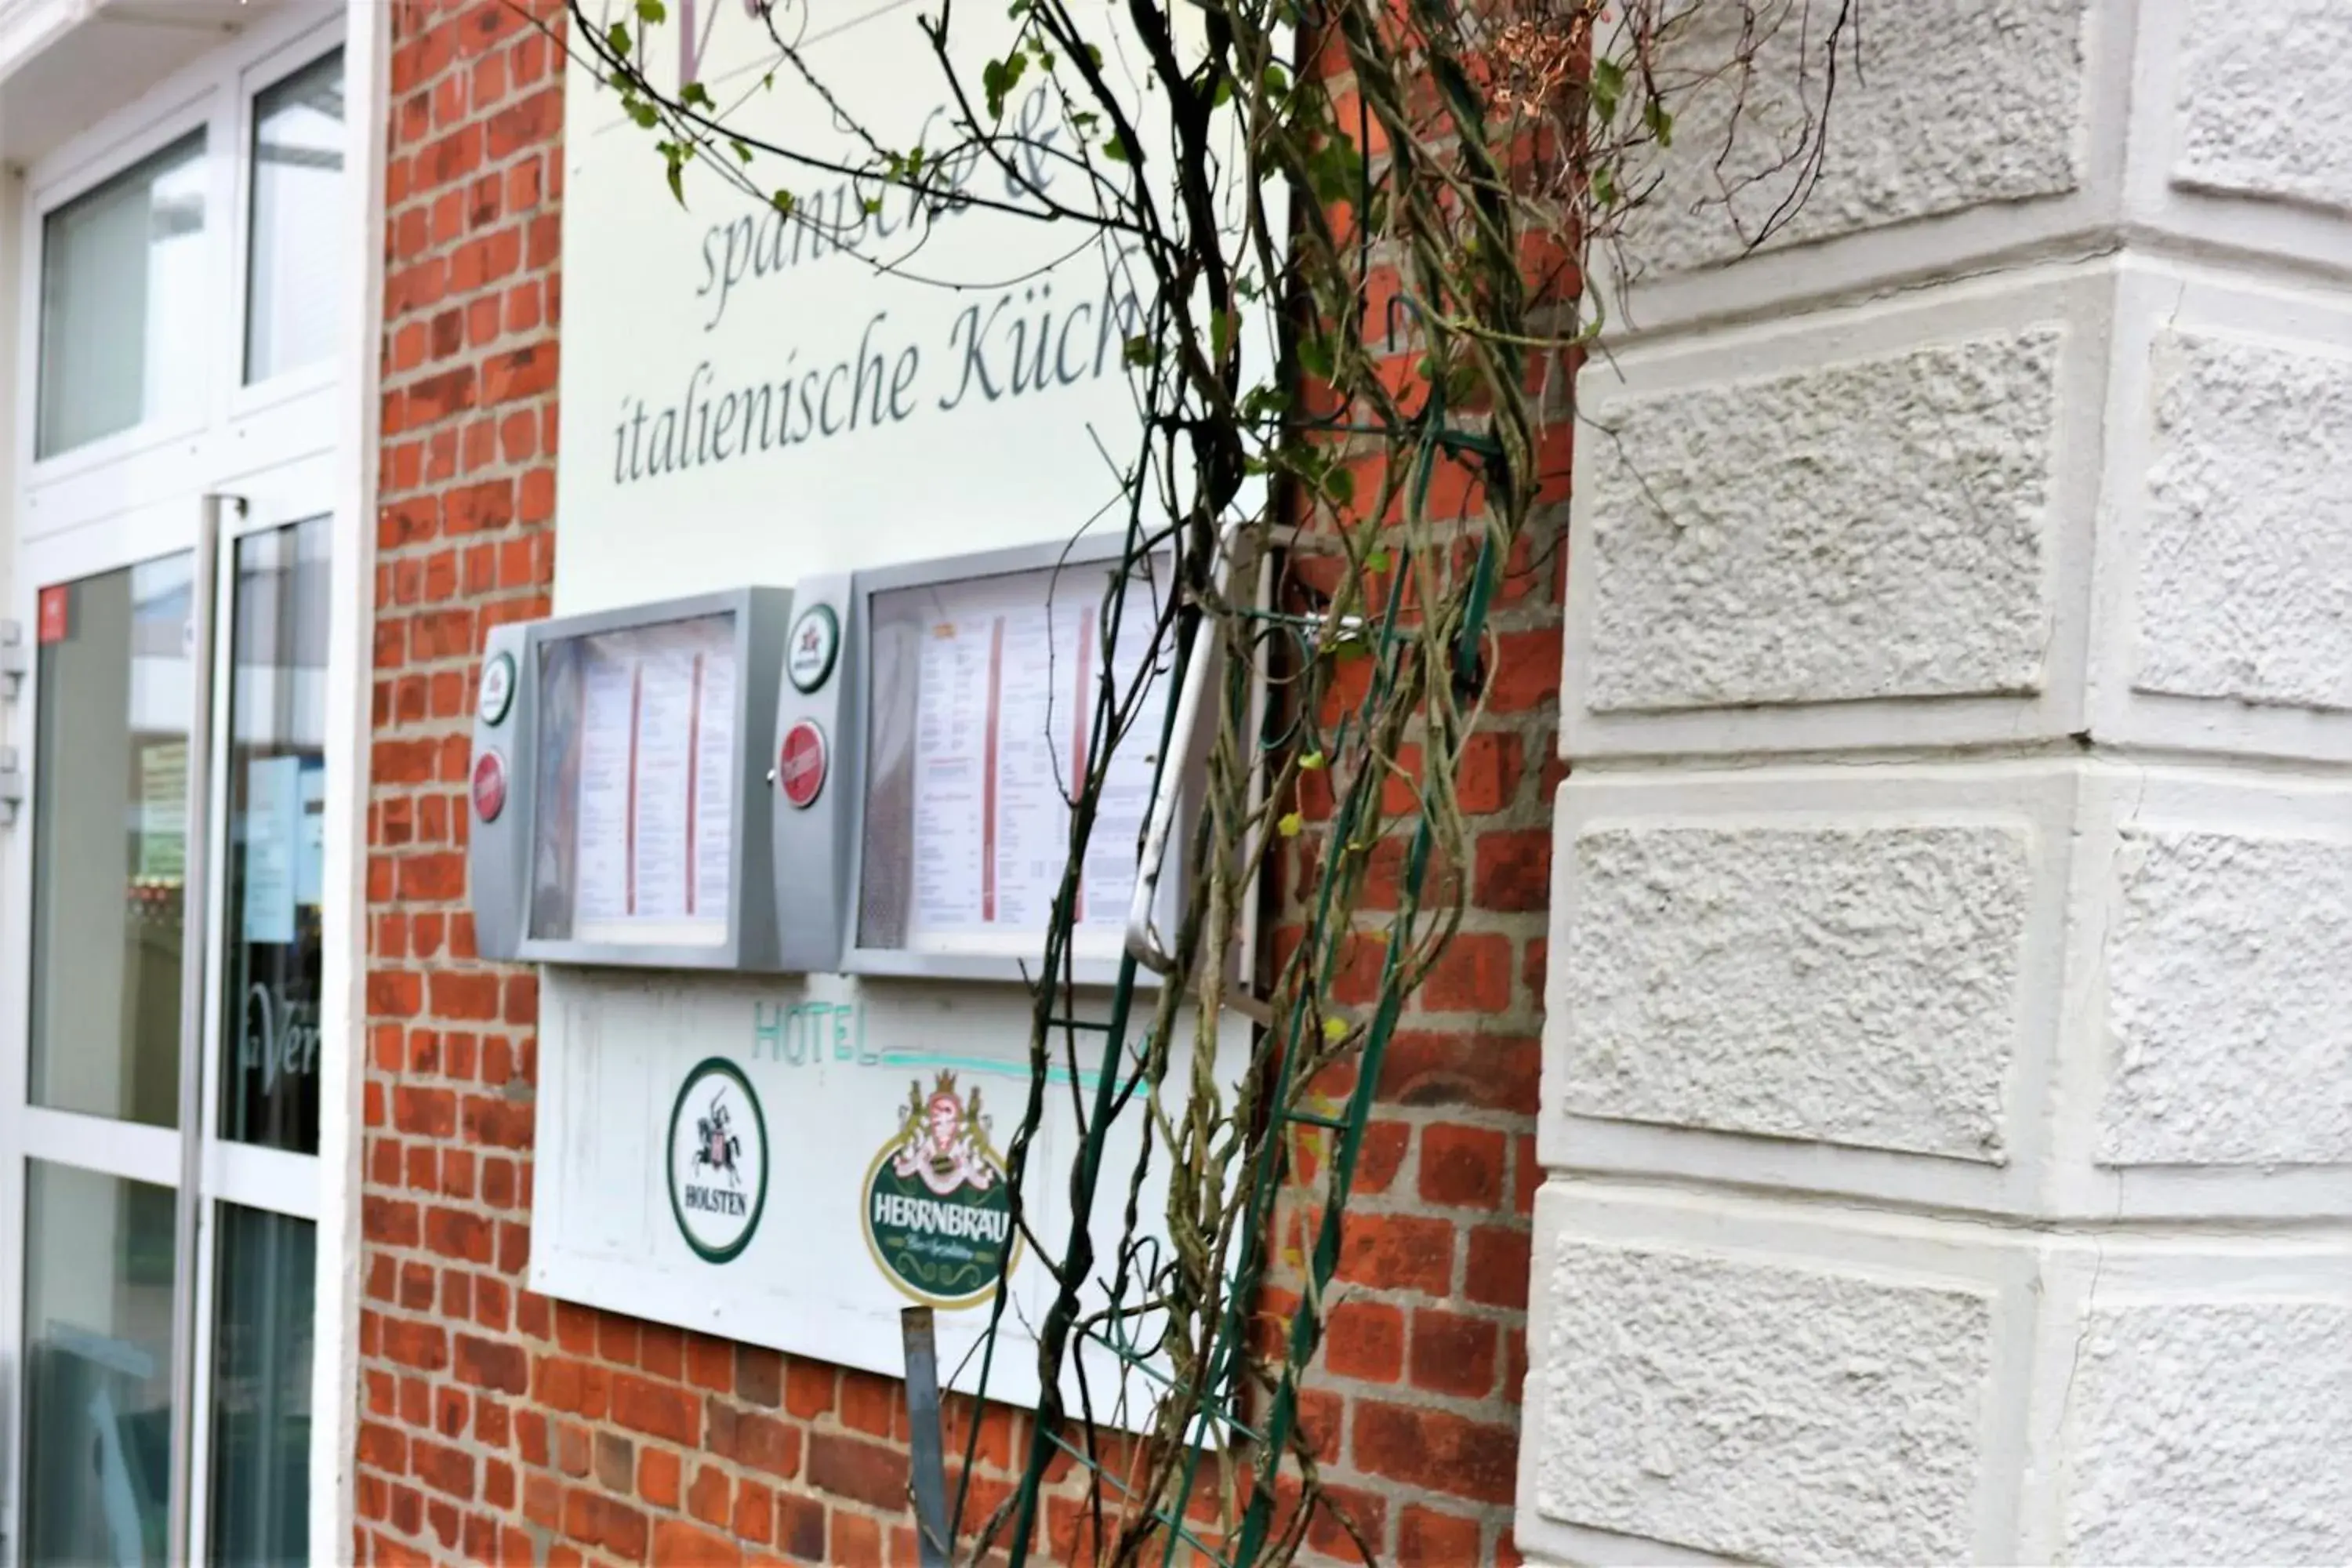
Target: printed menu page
x=1006 y=695
x=656 y=797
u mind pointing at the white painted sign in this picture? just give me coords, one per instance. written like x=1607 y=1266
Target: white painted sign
x=841 y=1145
x=756 y=397
x=752 y=400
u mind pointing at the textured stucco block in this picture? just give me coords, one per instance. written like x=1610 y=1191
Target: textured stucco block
x=1768 y=1413
x=2211 y=1432
x=1952 y=104
x=1849 y=985
x=2265 y=99
x=2244 y=588
x=2229 y=1002
x=1870 y=529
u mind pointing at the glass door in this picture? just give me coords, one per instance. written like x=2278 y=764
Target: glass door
x=165 y=1128
x=186 y=330
x=260 y=1172
x=113 y=721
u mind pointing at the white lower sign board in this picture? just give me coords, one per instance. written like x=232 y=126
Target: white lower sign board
x=792 y=1163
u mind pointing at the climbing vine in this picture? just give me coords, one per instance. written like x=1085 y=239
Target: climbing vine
x=1358 y=234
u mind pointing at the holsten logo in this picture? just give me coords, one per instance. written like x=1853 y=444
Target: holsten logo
x=937 y=1216
x=718 y=1160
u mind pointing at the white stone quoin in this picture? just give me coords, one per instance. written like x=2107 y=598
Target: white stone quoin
x=1947 y=1083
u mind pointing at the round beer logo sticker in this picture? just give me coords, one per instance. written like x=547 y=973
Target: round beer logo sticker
x=718 y=1160
x=938 y=1216
x=489 y=785
x=816 y=637
x=800 y=764
x=498 y=689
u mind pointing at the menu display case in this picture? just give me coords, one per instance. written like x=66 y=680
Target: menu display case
x=620 y=767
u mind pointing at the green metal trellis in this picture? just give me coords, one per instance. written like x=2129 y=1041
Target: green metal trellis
x=1215 y=1416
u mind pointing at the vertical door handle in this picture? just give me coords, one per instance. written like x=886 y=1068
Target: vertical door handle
x=195 y=908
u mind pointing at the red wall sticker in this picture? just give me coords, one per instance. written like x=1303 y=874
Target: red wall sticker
x=57 y=606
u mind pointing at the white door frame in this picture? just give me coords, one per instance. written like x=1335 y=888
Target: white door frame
x=302 y=445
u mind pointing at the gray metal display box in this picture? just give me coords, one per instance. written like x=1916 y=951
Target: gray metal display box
x=621 y=770
x=870 y=772
x=896 y=849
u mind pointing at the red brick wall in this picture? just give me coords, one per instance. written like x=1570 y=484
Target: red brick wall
x=451 y=1444
x=499 y=1427
x=1418 y=1396
x=1415 y=1402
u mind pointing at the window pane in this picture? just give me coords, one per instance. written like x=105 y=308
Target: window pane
x=261 y=1388
x=109 y=813
x=97 y=1341
x=277 y=789
x=298 y=170
x=123 y=301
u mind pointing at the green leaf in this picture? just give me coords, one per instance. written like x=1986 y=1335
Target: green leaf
x=1379 y=561
x=643 y=113
x=999 y=78
x=782 y=202
x=1311 y=762
x=1224 y=327
x=741 y=150
x=1661 y=124
x=1607 y=88
x=1335 y=1029
x=652 y=11
x=1289 y=825
x=1263 y=402
x=1137 y=351
x=695 y=94
x=617 y=37
x=1316 y=356
x=1115 y=150
x=1334 y=172
x=677 y=174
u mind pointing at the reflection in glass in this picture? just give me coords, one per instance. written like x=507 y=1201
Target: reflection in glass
x=277 y=801
x=124 y=302
x=109 y=845
x=298 y=170
x=97 y=1354
x=261 y=1388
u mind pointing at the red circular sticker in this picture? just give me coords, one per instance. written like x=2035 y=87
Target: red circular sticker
x=489 y=785
x=800 y=764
